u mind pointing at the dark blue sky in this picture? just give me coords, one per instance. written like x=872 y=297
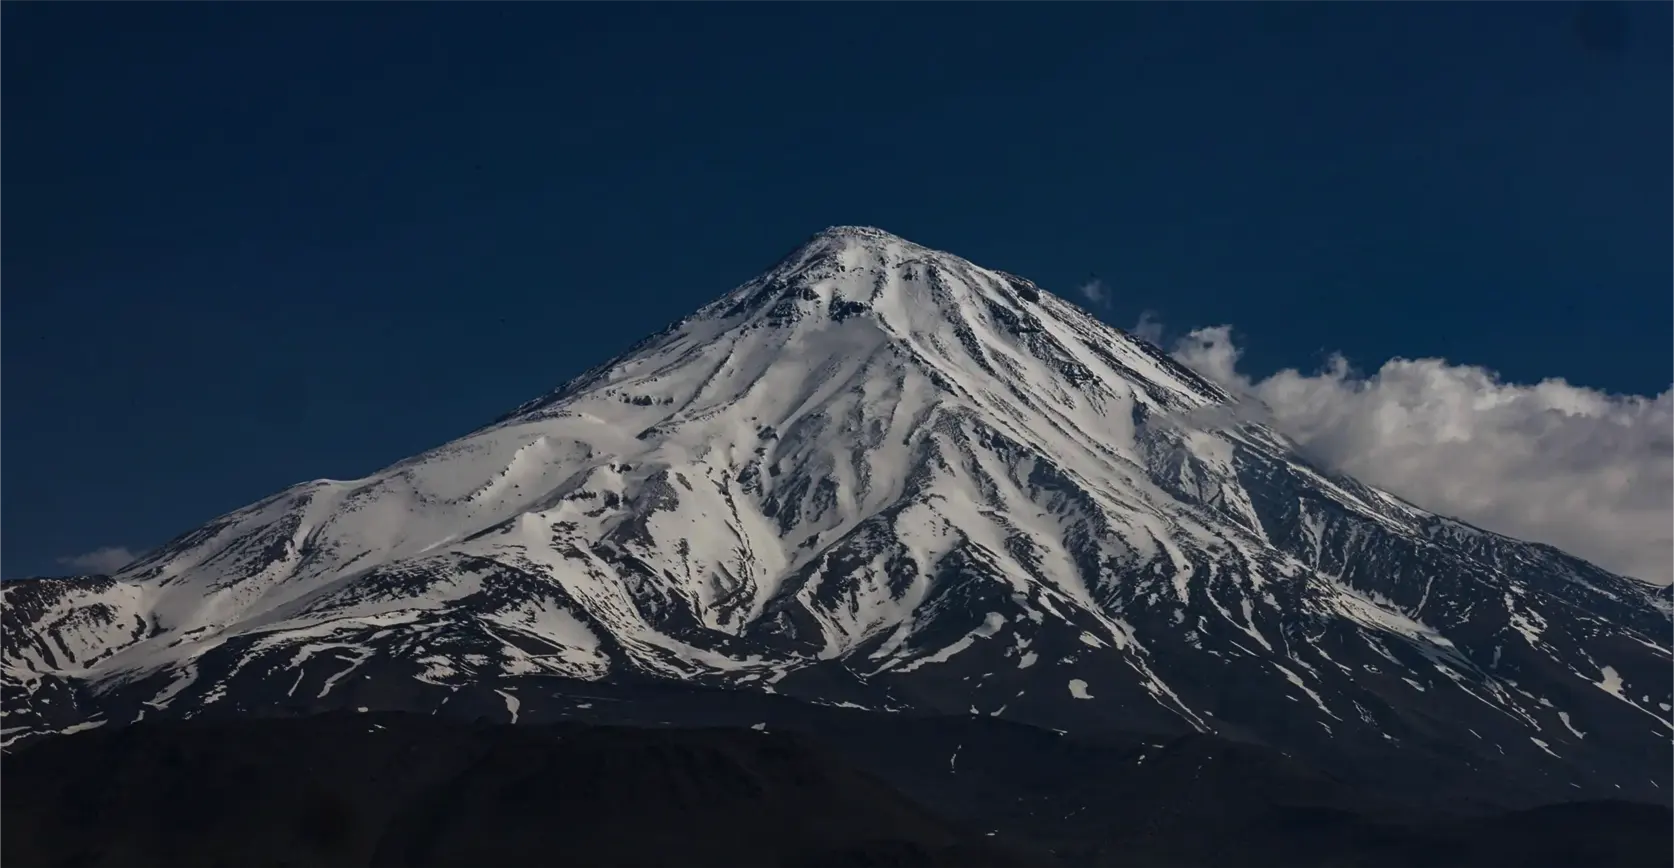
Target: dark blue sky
x=247 y=245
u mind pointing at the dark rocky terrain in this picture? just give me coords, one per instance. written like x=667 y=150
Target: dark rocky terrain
x=406 y=790
x=842 y=788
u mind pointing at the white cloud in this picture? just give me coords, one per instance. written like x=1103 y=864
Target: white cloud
x=1586 y=471
x=1149 y=327
x=1095 y=291
x=103 y=560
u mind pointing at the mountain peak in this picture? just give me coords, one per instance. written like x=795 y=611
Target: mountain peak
x=871 y=233
x=863 y=241
x=873 y=306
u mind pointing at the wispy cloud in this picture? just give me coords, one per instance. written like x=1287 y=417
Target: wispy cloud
x=1589 y=472
x=1149 y=327
x=103 y=560
x=1095 y=291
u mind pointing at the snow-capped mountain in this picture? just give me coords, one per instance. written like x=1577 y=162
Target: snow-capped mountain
x=880 y=475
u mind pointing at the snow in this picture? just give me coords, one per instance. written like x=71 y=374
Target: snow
x=576 y=646
x=1078 y=689
x=1611 y=682
x=1525 y=621
x=182 y=679
x=512 y=703
x=990 y=627
x=1312 y=694
x=357 y=656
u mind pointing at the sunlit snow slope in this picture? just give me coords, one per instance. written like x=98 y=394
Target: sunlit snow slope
x=881 y=475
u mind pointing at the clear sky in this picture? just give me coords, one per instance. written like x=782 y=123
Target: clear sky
x=247 y=245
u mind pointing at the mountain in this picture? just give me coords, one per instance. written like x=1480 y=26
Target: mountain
x=881 y=476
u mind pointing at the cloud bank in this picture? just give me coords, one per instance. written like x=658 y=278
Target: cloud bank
x=1586 y=471
x=104 y=560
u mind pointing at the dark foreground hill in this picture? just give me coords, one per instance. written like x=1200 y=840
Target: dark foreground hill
x=408 y=790
x=851 y=789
